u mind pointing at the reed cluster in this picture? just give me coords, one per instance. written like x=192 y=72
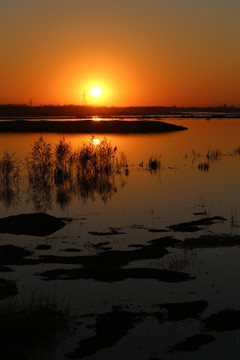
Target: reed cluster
x=88 y=171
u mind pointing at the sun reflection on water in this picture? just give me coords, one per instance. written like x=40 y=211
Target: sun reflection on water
x=95 y=141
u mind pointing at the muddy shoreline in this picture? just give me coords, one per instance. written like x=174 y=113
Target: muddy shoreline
x=111 y=266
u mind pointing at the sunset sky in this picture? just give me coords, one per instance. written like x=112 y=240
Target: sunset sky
x=139 y=52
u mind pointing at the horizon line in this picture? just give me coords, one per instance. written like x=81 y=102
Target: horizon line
x=120 y=106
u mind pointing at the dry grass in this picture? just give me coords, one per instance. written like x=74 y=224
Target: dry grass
x=31 y=327
x=9 y=178
x=59 y=173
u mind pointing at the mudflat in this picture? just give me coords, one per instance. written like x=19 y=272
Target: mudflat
x=88 y=126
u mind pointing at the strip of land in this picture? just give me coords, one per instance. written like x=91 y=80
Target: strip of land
x=88 y=126
x=18 y=110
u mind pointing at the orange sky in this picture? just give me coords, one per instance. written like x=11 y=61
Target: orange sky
x=140 y=52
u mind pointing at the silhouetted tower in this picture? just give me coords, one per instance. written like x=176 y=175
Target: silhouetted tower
x=84 y=97
x=30 y=102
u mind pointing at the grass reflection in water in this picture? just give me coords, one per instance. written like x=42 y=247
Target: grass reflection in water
x=56 y=173
x=9 y=179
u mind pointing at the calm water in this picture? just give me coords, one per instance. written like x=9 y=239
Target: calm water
x=143 y=199
x=167 y=196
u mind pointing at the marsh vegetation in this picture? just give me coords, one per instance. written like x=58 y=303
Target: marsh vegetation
x=151 y=260
x=55 y=173
x=9 y=178
x=30 y=328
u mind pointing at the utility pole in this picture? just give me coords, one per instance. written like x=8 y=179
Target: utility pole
x=84 y=97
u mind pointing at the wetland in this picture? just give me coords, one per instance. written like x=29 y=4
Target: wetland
x=129 y=241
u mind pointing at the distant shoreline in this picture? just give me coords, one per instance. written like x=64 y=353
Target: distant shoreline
x=88 y=126
x=83 y=111
x=179 y=116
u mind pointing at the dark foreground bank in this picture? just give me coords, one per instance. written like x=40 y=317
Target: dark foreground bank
x=88 y=126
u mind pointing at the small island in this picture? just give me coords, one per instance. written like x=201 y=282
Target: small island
x=88 y=126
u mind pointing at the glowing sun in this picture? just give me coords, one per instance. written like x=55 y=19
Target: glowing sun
x=96 y=91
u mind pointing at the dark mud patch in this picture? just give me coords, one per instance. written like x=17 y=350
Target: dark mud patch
x=154 y=230
x=107 y=233
x=115 y=274
x=110 y=328
x=7 y=289
x=136 y=245
x=15 y=255
x=37 y=224
x=210 y=241
x=5 y=269
x=137 y=227
x=165 y=242
x=71 y=250
x=193 y=343
x=116 y=258
x=184 y=310
x=196 y=225
x=108 y=266
x=43 y=247
x=105 y=248
x=102 y=245
x=201 y=213
x=224 y=320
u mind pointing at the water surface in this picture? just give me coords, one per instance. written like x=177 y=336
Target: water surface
x=181 y=189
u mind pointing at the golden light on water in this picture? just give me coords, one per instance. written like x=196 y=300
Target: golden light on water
x=95 y=141
x=96 y=118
